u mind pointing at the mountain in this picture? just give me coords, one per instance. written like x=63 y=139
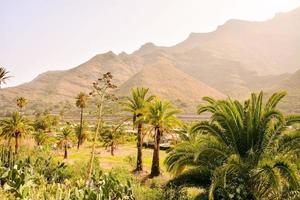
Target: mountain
x=292 y=85
x=168 y=82
x=57 y=86
x=237 y=58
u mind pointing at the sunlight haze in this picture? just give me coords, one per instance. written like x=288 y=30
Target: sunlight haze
x=37 y=36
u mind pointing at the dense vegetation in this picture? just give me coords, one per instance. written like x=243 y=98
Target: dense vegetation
x=245 y=150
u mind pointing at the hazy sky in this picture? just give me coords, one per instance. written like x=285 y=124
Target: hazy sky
x=41 y=35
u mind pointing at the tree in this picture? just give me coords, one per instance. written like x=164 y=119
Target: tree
x=81 y=102
x=136 y=104
x=186 y=132
x=45 y=122
x=102 y=89
x=111 y=136
x=81 y=132
x=64 y=139
x=3 y=76
x=244 y=151
x=21 y=102
x=15 y=127
x=41 y=137
x=161 y=115
x=66 y=106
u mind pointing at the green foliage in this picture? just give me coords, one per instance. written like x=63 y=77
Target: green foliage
x=137 y=103
x=246 y=148
x=3 y=76
x=82 y=133
x=131 y=160
x=15 y=126
x=45 y=122
x=111 y=136
x=65 y=136
x=41 y=138
x=162 y=114
x=17 y=180
x=41 y=178
x=53 y=172
x=7 y=156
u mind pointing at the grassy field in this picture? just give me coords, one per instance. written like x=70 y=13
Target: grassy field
x=125 y=157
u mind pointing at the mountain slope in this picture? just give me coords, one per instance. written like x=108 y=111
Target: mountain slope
x=237 y=58
x=57 y=86
x=269 y=47
x=167 y=82
x=292 y=85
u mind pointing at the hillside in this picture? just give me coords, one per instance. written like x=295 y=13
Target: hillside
x=235 y=59
x=167 y=82
x=292 y=85
x=58 y=86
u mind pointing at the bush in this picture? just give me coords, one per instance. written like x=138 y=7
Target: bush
x=40 y=178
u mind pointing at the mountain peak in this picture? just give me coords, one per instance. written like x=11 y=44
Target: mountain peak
x=147 y=48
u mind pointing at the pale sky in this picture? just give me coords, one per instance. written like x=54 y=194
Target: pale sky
x=41 y=35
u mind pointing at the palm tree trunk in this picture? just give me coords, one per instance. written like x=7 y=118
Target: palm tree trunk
x=80 y=129
x=139 y=160
x=17 y=143
x=112 y=148
x=66 y=151
x=155 y=171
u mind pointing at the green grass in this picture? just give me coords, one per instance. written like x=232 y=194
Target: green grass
x=107 y=161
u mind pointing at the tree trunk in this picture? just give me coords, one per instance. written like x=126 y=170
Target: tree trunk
x=80 y=129
x=139 y=160
x=66 y=151
x=155 y=171
x=17 y=143
x=112 y=148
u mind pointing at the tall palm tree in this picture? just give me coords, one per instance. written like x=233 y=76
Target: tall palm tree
x=15 y=127
x=161 y=115
x=3 y=76
x=64 y=139
x=21 y=102
x=136 y=105
x=81 y=132
x=81 y=102
x=245 y=150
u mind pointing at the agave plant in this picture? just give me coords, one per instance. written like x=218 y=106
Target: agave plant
x=244 y=151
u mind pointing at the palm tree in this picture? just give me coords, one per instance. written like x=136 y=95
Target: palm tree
x=243 y=151
x=136 y=105
x=111 y=136
x=41 y=137
x=64 y=139
x=81 y=132
x=81 y=102
x=161 y=116
x=3 y=76
x=186 y=132
x=21 y=102
x=15 y=127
